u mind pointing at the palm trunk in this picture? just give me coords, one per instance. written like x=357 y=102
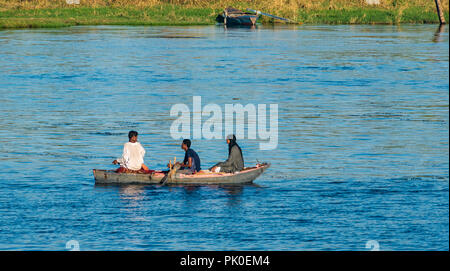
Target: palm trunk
x=440 y=12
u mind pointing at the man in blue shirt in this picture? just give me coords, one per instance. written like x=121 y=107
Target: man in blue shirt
x=191 y=162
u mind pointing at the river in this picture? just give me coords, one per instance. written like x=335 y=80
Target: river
x=362 y=149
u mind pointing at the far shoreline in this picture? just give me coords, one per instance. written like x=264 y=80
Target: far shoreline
x=172 y=15
x=266 y=25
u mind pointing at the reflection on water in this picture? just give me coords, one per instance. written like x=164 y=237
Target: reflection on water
x=439 y=33
x=240 y=27
x=363 y=136
x=132 y=192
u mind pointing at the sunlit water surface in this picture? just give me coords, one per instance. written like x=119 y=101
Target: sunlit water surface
x=362 y=150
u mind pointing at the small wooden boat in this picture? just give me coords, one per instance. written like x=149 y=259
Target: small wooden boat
x=247 y=175
x=233 y=17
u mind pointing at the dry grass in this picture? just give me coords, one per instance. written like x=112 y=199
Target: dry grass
x=284 y=5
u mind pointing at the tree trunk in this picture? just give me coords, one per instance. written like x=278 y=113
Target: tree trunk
x=440 y=12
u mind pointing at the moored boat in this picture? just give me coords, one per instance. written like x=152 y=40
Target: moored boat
x=247 y=175
x=234 y=17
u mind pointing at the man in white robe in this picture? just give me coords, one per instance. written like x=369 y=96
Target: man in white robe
x=133 y=155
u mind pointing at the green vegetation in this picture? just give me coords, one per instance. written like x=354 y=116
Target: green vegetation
x=56 y=13
x=57 y=17
x=368 y=16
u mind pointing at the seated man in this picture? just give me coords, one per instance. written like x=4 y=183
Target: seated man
x=132 y=159
x=235 y=161
x=191 y=162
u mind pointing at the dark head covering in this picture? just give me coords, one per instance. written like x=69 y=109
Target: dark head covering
x=232 y=143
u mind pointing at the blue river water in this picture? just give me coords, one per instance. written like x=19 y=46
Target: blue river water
x=363 y=133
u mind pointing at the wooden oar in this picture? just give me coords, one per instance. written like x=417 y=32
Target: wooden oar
x=172 y=171
x=270 y=15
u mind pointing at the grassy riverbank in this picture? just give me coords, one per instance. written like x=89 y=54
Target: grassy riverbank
x=56 y=13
